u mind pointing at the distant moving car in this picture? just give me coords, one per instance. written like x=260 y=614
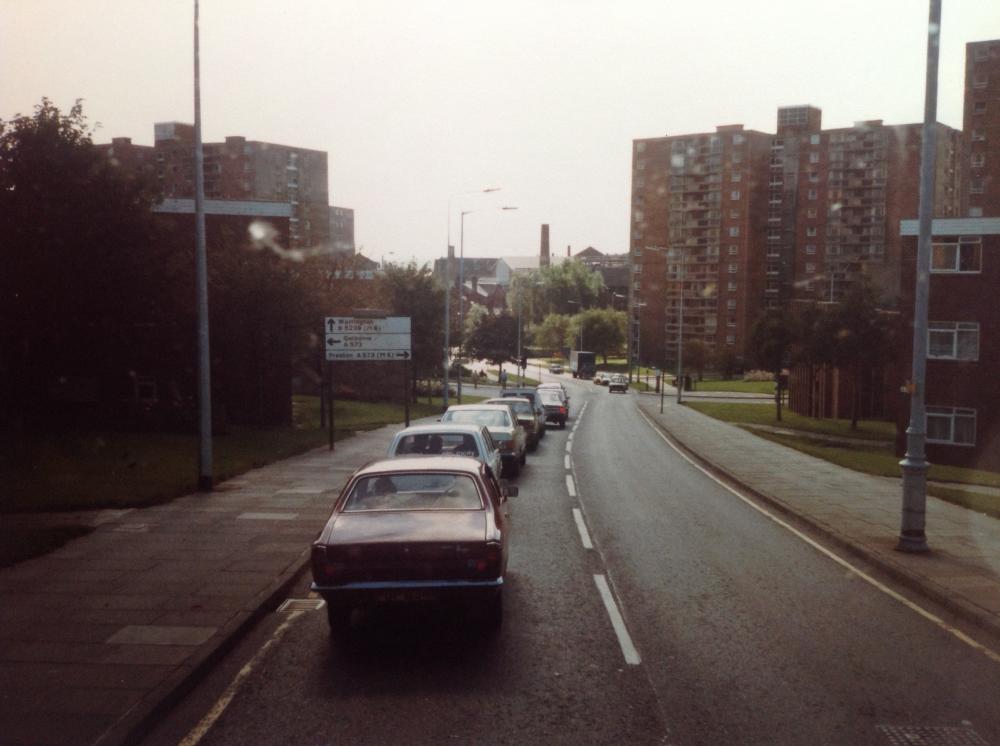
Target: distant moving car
x=413 y=531
x=618 y=382
x=556 y=409
x=524 y=411
x=555 y=387
x=555 y=368
x=503 y=427
x=529 y=393
x=601 y=378
x=447 y=439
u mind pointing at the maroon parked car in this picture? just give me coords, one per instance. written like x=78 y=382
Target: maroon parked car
x=414 y=530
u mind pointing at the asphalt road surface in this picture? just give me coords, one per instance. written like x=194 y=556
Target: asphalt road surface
x=733 y=630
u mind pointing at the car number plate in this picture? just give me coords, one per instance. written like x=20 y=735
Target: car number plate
x=417 y=594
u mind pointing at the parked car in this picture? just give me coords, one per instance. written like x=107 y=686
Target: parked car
x=524 y=411
x=618 y=382
x=529 y=393
x=448 y=440
x=555 y=387
x=556 y=410
x=414 y=531
x=601 y=378
x=555 y=368
x=503 y=427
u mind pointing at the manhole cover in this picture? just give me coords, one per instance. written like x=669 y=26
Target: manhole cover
x=301 y=604
x=924 y=735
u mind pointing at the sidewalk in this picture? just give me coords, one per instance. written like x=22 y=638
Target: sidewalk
x=858 y=512
x=105 y=633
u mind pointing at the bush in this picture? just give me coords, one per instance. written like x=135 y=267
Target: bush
x=758 y=375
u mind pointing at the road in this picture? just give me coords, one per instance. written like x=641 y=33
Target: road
x=734 y=630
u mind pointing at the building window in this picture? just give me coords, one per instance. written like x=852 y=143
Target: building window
x=951 y=425
x=734 y=249
x=813 y=176
x=979 y=81
x=732 y=287
x=734 y=231
x=639 y=147
x=734 y=214
x=812 y=194
x=961 y=255
x=731 y=304
x=814 y=157
x=811 y=230
x=737 y=157
x=981 y=53
x=730 y=339
x=953 y=340
x=735 y=176
x=810 y=248
x=979 y=107
x=734 y=195
x=975 y=212
x=978 y=136
x=734 y=268
x=978 y=160
x=811 y=212
x=814 y=139
x=810 y=268
x=737 y=139
x=976 y=186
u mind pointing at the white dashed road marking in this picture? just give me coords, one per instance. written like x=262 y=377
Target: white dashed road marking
x=624 y=640
x=582 y=528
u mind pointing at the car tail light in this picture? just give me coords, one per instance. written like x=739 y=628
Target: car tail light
x=488 y=565
x=506 y=445
x=562 y=410
x=324 y=567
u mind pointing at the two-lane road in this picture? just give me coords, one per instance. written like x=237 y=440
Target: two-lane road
x=733 y=629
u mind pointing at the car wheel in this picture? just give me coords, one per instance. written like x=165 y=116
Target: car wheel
x=339 y=618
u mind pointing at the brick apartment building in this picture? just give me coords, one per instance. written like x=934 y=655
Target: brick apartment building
x=733 y=222
x=981 y=128
x=963 y=344
x=237 y=169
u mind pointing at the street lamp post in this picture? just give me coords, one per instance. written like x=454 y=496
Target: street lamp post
x=680 y=331
x=912 y=537
x=461 y=291
x=447 y=296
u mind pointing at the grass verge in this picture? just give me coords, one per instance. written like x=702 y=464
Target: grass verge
x=84 y=470
x=885 y=464
x=758 y=414
x=742 y=387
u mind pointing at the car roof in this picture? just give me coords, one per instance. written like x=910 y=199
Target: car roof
x=552 y=385
x=407 y=464
x=525 y=399
x=441 y=427
x=492 y=407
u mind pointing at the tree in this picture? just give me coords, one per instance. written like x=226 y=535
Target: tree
x=561 y=288
x=771 y=339
x=862 y=338
x=494 y=339
x=726 y=362
x=603 y=330
x=551 y=333
x=413 y=292
x=79 y=267
x=697 y=354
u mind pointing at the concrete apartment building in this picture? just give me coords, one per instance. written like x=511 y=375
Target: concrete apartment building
x=730 y=223
x=981 y=128
x=239 y=170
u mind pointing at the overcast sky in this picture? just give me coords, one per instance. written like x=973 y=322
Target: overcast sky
x=415 y=101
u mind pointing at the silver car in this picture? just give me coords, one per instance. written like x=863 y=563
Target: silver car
x=451 y=439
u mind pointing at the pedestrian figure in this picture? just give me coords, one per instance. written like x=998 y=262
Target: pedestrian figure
x=503 y=379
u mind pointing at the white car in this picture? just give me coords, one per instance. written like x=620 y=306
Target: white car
x=453 y=439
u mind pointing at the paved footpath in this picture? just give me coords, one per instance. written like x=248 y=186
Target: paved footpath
x=858 y=512
x=106 y=632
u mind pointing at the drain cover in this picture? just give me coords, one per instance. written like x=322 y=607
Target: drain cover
x=923 y=735
x=301 y=604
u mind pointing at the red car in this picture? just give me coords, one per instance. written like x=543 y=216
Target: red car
x=414 y=530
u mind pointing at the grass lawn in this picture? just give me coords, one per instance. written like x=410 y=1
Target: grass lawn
x=85 y=470
x=885 y=464
x=759 y=414
x=746 y=387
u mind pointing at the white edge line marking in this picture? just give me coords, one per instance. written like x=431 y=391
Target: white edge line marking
x=570 y=486
x=206 y=723
x=582 y=528
x=567 y=462
x=628 y=649
x=936 y=620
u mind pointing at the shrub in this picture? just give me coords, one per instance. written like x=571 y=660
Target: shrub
x=758 y=375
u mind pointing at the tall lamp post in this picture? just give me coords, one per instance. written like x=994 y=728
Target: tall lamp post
x=914 y=466
x=461 y=291
x=447 y=295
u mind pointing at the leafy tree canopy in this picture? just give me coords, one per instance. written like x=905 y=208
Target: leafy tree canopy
x=494 y=339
